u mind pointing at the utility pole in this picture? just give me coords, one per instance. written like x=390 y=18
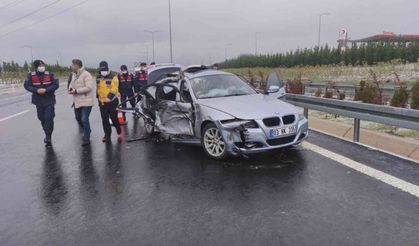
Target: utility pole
x=152 y=40
x=320 y=24
x=170 y=33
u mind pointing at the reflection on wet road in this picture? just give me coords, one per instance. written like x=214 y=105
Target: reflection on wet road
x=147 y=193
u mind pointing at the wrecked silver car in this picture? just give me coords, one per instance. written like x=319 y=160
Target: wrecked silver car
x=220 y=112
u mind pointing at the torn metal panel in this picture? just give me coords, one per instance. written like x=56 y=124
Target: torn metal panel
x=174 y=118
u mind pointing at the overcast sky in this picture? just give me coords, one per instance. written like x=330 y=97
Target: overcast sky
x=113 y=30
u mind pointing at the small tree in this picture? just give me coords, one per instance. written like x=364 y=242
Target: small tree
x=295 y=86
x=328 y=93
x=400 y=96
x=318 y=92
x=341 y=94
x=415 y=96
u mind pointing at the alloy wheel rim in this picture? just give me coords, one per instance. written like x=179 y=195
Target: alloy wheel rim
x=213 y=142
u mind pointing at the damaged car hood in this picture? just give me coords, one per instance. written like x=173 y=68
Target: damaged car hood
x=256 y=106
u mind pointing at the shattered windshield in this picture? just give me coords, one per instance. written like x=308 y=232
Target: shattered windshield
x=222 y=85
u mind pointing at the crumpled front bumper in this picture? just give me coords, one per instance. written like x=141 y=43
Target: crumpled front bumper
x=255 y=140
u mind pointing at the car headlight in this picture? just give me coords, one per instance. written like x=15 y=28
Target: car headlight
x=301 y=117
x=250 y=124
x=237 y=123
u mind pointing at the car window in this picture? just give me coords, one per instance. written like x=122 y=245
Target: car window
x=220 y=85
x=166 y=92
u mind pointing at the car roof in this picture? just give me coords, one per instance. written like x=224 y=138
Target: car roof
x=206 y=72
x=163 y=66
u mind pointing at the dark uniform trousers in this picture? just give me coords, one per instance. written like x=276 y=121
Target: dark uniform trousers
x=108 y=110
x=125 y=96
x=46 y=115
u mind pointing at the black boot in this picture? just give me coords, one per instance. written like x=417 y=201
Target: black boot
x=106 y=139
x=47 y=140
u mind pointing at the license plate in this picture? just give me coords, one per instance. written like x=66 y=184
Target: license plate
x=273 y=133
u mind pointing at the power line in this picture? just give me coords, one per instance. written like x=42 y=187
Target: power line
x=11 y=4
x=29 y=14
x=46 y=18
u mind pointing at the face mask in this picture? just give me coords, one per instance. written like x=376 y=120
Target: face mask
x=41 y=69
x=137 y=69
x=124 y=72
x=104 y=73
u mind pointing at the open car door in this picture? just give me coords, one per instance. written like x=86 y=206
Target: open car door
x=173 y=115
x=274 y=85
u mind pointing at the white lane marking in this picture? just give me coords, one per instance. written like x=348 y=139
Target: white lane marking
x=14 y=115
x=372 y=172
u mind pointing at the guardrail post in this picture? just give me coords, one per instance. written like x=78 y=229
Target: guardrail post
x=306 y=113
x=357 y=125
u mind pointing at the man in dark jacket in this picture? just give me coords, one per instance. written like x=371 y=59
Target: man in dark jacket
x=126 y=86
x=141 y=76
x=42 y=85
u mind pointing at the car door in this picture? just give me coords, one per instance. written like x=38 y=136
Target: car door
x=174 y=115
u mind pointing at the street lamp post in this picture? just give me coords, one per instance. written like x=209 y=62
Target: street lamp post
x=170 y=33
x=152 y=39
x=227 y=45
x=256 y=43
x=320 y=24
x=31 y=50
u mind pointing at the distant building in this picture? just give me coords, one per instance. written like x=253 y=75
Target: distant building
x=389 y=37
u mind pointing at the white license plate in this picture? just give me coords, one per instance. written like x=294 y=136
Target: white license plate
x=274 y=133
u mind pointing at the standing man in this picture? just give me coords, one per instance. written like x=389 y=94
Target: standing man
x=42 y=85
x=126 y=86
x=141 y=77
x=107 y=91
x=82 y=87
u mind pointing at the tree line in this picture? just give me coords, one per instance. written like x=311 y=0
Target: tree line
x=13 y=69
x=366 y=53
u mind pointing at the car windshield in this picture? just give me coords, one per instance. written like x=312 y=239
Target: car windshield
x=222 y=85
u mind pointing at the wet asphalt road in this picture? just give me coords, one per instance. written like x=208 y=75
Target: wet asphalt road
x=147 y=193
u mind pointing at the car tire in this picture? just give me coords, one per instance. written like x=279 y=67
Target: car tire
x=213 y=143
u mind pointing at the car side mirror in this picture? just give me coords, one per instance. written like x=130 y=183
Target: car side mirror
x=273 y=89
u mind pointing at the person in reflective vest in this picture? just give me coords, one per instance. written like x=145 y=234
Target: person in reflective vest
x=141 y=77
x=42 y=85
x=126 y=86
x=107 y=91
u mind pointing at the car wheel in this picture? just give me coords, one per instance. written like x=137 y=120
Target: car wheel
x=213 y=143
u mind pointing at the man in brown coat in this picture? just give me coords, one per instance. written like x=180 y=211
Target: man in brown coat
x=82 y=87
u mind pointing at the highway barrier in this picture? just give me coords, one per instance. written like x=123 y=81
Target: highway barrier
x=400 y=117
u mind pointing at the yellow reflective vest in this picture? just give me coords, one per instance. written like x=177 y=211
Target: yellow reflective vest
x=107 y=87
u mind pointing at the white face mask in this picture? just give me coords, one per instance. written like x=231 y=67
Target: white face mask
x=104 y=73
x=124 y=72
x=41 y=69
x=137 y=69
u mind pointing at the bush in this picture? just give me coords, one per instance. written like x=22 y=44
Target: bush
x=415 y=96
x=328 y=93
x=401 y=96
x=369 y=92
x=318 y=92
x=295 y=86
x=341 y=94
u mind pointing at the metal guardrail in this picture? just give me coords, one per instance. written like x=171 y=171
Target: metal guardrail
x=400 y=117
x=346 y=86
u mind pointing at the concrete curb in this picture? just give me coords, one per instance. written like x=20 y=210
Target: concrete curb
x=408 y=148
